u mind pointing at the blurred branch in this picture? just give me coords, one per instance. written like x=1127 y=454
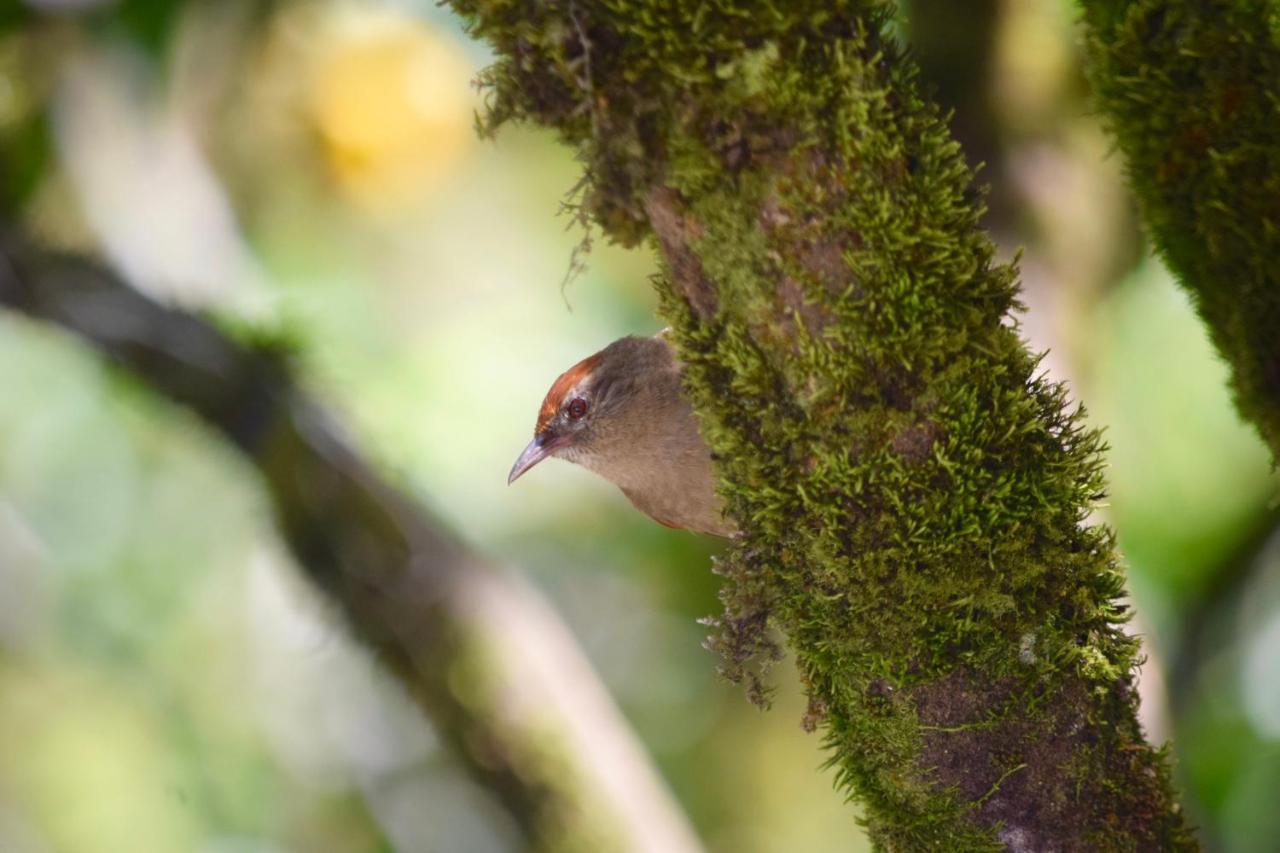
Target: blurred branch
x=503 y=682
x=1190 y=92
x=912 y=493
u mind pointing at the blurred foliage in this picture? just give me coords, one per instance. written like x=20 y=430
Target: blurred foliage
x=148 y=21
x=24 y=131
x=166 y=684
x=11 y=15
x=130 y=538
x=1178 y=507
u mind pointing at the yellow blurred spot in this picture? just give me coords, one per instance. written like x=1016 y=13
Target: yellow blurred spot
x=392 y=102
x=87 y=767
x=1034 y=62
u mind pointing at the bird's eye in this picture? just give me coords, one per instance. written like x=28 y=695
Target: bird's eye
x=577 y=408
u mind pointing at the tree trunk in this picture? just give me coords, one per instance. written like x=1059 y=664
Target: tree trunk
x=913 y=496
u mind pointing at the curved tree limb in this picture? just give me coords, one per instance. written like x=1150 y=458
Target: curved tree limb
x=1191 y=92
x=503 y=682
x=914 y=497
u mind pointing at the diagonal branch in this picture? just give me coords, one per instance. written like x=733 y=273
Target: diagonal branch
x=502 y=681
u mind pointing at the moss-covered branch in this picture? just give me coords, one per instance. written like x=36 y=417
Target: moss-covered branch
x=503 y=683
x=1191 y=91
x=913 y=495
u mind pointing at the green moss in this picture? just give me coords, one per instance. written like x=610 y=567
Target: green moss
x=912 y=493
x=1190 y=92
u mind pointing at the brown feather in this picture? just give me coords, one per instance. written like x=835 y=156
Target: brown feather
x=641 y=433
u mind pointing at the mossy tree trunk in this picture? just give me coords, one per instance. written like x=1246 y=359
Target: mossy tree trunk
x=1191 y=92
x=913 y=496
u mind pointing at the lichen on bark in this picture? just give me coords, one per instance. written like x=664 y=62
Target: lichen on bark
x=913 y=493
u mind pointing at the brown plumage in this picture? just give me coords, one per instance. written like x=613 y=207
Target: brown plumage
x=622 y=413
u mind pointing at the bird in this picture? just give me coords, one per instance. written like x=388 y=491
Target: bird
x=623 y=414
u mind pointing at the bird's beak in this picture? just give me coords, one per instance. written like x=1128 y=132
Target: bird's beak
x=540 y=448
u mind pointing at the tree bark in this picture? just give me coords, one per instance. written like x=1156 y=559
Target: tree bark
x=1190 y=90
x=502 y=681
x=914 y=497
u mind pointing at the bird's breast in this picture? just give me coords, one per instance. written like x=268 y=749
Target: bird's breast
x=678 y=492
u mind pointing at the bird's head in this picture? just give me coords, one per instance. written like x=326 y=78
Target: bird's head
x=568 y=414
x=622 y=414
x=602 y=406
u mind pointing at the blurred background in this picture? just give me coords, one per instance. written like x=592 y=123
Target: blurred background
x=167 y=680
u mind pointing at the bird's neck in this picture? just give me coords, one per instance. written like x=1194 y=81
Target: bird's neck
x=649 y=453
